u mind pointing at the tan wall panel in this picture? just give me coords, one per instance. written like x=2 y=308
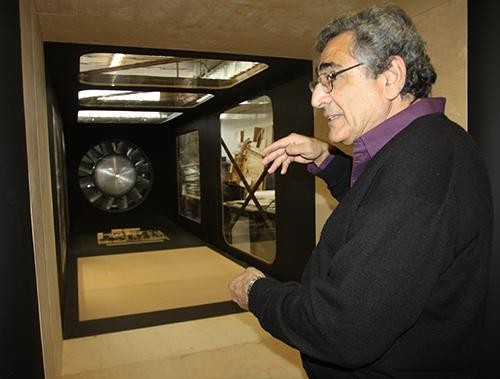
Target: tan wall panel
x=35 y=106
x=444 y=28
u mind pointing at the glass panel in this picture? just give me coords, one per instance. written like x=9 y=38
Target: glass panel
x=138 y=99
x=248 y=191
x=164 y=71
x=188 y=175
x=125 y=117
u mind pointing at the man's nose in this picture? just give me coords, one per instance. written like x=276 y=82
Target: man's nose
x=319 y=97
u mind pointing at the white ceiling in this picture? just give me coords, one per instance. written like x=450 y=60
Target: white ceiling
x=284 y=28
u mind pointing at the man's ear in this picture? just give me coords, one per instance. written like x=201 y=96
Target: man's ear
x=395 y=77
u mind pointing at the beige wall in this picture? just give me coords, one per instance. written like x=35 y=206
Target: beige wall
x=35 y=106
x=445 y=29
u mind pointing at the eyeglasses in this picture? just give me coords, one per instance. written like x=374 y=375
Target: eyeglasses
x=326 y=80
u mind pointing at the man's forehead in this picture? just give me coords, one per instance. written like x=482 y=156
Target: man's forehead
x=335 y=52
x=326 y=66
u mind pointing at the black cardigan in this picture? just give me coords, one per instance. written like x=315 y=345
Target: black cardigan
x=397 y=283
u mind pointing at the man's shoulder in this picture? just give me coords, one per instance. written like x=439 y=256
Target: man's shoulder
x=434 y=135
x=429 y=154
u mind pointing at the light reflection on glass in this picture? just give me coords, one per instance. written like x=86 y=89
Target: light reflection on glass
x=248 y=191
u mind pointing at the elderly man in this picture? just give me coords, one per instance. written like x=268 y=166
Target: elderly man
x=397 y=283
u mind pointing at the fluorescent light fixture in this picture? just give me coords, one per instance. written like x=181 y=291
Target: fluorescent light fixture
x=141 y=99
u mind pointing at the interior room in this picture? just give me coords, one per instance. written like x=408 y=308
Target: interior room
x=145 y=125
x=134 y=133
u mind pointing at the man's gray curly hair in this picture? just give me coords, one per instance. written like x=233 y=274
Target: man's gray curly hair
x=379 y=34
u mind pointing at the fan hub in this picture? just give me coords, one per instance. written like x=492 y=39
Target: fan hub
x=115 y=175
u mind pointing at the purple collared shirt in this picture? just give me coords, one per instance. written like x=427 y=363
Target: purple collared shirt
x=370 y=143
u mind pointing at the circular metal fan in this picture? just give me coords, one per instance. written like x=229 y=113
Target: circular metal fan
x=115 y=175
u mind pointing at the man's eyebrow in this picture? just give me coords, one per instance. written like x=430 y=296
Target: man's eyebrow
x=323 y=66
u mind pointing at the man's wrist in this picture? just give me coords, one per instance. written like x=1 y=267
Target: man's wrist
x=319 y=160
x=315 y=169
x=251 y=283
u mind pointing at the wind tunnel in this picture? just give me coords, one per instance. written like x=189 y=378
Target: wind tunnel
x=155 y=149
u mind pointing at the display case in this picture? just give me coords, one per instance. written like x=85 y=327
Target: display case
x=188 y=176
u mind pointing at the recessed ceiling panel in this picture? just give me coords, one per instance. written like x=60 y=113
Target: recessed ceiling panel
x=164 y=71
x=140 y=99
x=125 y=117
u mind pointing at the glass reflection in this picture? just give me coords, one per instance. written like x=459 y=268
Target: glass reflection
x=118 y=69
x=248 y=191
x=188 y=175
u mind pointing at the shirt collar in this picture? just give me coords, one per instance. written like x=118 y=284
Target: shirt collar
x=370 y=143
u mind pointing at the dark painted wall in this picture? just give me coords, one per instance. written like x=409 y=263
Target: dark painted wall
x=20 y=343
x=484 y=125
x=295 y=204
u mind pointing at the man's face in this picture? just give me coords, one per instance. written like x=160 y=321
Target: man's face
x=356 y=103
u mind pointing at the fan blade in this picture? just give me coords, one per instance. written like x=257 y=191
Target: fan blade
x=108 y=202
x=135 y=195
x=123 y=202
x=142 y=182
x=93 y=196
x=142 y=167
x=94 y=155
x=86 y=182
x=135 y=155
x=85 y=168
x=122 y=147
x=107 y=148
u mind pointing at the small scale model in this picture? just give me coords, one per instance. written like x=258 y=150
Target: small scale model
x=130 y=236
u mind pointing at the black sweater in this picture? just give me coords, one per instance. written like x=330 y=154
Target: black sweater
x=397 y=283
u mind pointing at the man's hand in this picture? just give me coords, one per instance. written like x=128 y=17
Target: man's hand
x=295 y=148
x=238 y=287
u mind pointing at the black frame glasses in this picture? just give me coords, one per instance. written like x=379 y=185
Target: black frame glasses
x=326 y=80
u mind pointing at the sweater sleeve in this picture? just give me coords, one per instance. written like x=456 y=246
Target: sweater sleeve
x=337 y=174
x=366 y=293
